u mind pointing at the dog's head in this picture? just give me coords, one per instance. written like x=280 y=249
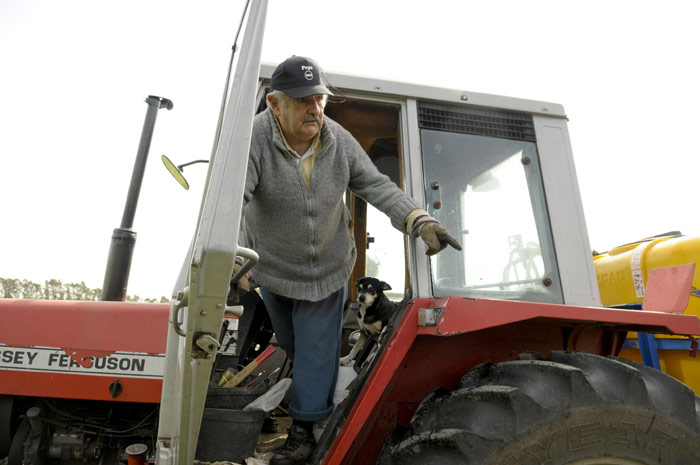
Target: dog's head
x=368 y=289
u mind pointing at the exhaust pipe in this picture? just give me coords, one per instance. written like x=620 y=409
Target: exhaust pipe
x=123 y=237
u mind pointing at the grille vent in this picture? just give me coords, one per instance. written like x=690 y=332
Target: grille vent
x=477 y=121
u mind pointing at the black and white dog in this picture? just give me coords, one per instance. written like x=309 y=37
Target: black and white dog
x=373 y=315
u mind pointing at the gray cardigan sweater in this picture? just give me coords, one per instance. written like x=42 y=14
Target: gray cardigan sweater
x=304 y=235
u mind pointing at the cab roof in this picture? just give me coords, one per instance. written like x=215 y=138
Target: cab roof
x=380 y=87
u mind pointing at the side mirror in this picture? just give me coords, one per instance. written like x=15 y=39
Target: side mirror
x=176 y=171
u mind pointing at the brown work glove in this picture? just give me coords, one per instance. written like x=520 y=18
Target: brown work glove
x=436 y=237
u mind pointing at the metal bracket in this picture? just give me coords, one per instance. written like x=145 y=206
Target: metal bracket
x=429 y=316
x=693 y=346
x=208 y=344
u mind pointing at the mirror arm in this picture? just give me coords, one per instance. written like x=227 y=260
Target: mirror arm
x=180 y=167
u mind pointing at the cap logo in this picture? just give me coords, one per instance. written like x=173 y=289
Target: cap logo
x=308 y=72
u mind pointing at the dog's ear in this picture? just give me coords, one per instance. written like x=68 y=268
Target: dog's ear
x=357 y=282
x=385 y=286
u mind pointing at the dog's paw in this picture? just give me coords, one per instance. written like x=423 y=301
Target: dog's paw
x=345 y=361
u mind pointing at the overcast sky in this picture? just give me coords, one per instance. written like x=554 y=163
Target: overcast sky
x=75 y=74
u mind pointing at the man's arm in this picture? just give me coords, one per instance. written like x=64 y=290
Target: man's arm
x=404 y=212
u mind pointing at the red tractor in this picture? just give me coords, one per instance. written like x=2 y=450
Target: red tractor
x=499 y=354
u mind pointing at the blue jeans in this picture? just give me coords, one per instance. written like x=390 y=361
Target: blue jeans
x=310 y=333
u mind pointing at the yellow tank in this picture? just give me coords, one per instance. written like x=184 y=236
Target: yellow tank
x=622 y=277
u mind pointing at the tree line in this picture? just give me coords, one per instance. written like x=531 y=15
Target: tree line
x=54 y=289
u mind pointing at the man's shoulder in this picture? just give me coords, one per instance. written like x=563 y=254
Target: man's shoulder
x=332 y=125
x=336 y=131
x=262 y=127
x=262 y=120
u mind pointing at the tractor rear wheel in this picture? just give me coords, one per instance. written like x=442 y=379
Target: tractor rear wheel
x=568 y=409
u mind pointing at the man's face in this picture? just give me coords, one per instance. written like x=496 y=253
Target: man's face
x=301 y=119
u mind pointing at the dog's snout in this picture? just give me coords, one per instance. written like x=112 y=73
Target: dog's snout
x=361 y=298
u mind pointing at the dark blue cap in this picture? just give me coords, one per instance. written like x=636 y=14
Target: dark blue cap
x=298 y=77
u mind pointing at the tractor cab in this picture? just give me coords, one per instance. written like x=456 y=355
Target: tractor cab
x=474 y=162
x=496 y=171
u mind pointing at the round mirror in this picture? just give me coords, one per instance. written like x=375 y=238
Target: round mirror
x=175 y=171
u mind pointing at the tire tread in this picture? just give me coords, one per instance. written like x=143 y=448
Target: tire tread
x=499 y=405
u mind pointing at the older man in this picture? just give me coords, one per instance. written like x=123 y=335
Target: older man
x=300 y=165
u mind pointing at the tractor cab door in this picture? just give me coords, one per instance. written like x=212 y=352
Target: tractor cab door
x=381 y=249
x=200 y=295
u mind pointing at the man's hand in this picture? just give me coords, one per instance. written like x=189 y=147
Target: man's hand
x=243 y=283
x=436 y=237
x=237 y=289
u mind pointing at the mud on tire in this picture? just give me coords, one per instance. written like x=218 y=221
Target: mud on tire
x=568 y=409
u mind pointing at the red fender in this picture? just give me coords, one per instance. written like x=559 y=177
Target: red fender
x=418 y=359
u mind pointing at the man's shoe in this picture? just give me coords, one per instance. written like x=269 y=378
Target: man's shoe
x=296 y=449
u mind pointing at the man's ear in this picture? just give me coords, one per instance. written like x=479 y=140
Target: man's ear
x=274 y=104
